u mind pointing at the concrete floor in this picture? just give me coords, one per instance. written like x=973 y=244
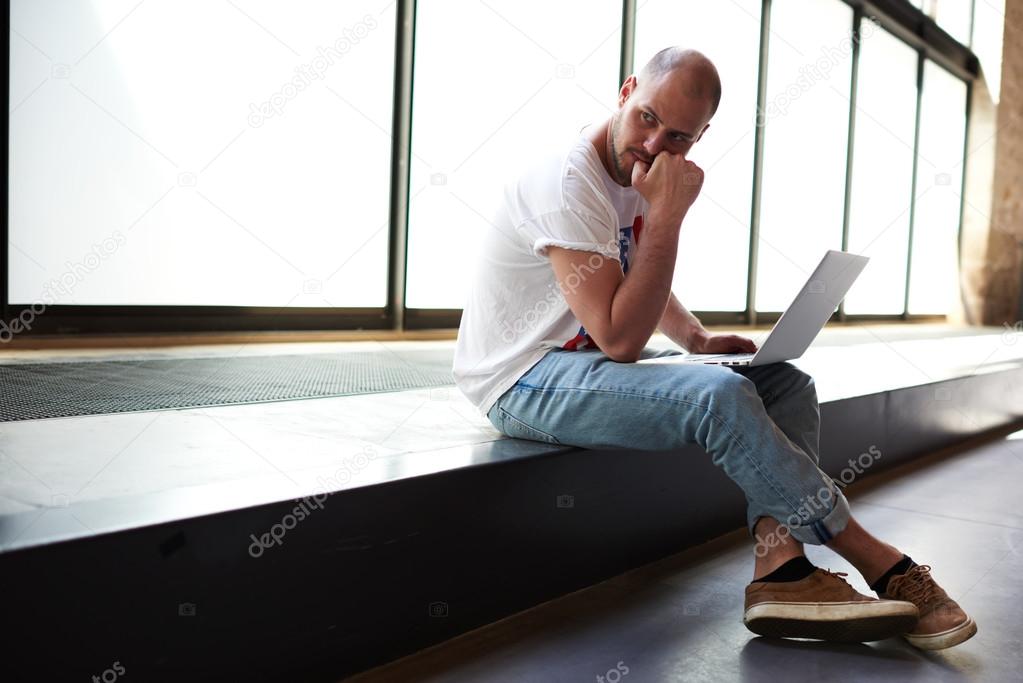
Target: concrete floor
x=680 y=619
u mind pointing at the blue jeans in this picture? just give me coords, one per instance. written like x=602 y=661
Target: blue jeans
x=761 y=425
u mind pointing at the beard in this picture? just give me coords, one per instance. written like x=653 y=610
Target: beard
x=622 y=177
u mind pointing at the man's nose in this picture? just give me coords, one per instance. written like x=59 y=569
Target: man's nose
x=652 y=145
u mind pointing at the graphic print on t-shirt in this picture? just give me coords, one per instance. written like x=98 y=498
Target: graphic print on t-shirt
x=627 y=236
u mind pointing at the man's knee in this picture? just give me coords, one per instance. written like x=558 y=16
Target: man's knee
x=797 y=375
x=793 y=382
x=803 y=383
x=730 y=388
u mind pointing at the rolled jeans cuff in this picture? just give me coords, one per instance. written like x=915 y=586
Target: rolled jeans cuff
x=818 y=531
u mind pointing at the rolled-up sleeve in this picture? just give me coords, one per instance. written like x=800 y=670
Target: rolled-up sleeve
x=571 y=230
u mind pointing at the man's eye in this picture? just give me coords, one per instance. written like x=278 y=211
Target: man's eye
x=647 y=116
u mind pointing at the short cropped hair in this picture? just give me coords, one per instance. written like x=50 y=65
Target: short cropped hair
x=671 y=58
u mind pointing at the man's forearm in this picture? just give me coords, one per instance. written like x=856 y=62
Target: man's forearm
x=639 y=302
x=679 y=325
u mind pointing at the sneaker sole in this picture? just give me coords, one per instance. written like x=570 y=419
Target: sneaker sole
x=939 y=641
x=845 y=622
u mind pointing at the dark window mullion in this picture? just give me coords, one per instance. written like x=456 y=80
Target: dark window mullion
x=962 y=200
x=850 y=142
x=912 y=192
x=628 y=53
x=401 y=155
x=5 y=269
x=758 y=164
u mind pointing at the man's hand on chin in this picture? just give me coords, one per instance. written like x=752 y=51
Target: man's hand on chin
x=721 y=343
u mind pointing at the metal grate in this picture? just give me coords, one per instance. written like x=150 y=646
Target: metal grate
x=31 y=391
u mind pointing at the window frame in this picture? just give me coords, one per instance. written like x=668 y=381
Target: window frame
x=899 y=17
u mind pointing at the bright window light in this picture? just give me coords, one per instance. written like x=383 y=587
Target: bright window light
x=808 y=79
x=933 y=284
x=198 y=153
x=714 y=243
x=882 y=177
x=487 y=101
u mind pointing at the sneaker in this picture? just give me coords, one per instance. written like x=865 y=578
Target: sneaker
x=942 y=622
x=825 y=607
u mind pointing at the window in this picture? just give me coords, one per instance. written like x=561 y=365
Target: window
x=989 y=16
x=803 y=188
x=195 y=153
x=486 y=101
x=933 y=284
x=882 y=175
x=152 y=167
x=714 y=243
x=953 y=16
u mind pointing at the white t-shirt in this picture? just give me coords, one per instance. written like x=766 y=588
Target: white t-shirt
x=515 y=312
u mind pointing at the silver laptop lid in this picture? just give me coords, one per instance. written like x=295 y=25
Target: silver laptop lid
x=799 y=325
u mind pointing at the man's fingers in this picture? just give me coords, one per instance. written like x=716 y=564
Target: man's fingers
x=639 y=171
x=730 y=344
x=743 y=342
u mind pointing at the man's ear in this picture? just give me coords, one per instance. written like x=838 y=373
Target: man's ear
x=701 y=133
x=628 y=87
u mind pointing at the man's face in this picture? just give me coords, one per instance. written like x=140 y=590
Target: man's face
x=654 y=117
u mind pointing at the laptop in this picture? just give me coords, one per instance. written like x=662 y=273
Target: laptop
x=799 y=325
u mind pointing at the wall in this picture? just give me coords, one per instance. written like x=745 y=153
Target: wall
x=992 y=254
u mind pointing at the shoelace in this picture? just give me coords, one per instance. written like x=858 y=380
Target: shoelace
x=838 y=575
x=916 y=585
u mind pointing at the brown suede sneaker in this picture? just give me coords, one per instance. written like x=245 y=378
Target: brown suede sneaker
x=825 y=607
x=942 y=622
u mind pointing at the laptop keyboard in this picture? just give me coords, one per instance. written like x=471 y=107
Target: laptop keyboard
x=723 y=356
